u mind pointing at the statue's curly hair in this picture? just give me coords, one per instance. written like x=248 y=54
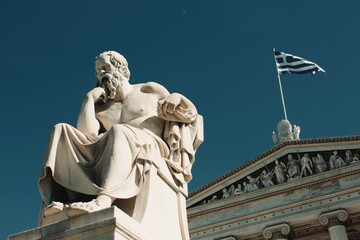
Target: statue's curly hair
x=118 y=61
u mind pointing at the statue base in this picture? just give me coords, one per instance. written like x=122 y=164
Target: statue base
x=107 y=224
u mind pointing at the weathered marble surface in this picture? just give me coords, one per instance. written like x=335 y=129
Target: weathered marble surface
x=133 y=148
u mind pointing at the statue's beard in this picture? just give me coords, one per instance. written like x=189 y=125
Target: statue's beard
x=111 y=86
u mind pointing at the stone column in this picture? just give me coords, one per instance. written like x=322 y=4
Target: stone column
x=278 y=232
x=335 y=223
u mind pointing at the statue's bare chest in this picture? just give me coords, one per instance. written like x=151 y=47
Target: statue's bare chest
x=136 y=106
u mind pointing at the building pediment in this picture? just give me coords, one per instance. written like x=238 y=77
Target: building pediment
x=286 y=167
x=320 y=178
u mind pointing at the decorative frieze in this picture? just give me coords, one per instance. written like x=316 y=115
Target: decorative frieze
x=289 y=167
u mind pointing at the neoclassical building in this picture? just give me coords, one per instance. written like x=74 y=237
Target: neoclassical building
x=299 y=189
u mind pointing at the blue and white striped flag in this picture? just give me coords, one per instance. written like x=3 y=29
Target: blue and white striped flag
x=287 y=63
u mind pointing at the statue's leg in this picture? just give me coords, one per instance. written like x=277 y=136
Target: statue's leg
x=117 y=160
x=116 y=171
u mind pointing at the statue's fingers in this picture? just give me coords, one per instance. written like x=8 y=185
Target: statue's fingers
x=173 y=108
x=170 y=108
x=164 y=107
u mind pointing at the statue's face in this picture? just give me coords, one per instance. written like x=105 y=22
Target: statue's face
x=109 y=77
x=104 y=69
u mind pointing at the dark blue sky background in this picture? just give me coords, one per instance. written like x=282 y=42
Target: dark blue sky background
x=217 y=53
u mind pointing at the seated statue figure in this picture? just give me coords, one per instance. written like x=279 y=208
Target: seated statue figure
x=123 y=129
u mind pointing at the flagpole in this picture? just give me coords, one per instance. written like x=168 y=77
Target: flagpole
x=281 y=91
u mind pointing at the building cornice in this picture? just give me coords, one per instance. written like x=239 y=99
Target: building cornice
x=277 y=148
x=287 y=190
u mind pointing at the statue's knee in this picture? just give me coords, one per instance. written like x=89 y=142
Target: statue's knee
x=59 y=127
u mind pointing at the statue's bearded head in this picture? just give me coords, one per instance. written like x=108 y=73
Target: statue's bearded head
x=111 y=70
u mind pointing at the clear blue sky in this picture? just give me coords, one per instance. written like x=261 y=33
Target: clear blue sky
x=217 y=53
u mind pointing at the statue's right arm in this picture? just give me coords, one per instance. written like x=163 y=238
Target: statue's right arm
x=87 y=122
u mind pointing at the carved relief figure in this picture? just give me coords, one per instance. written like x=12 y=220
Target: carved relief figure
x=231 y=190
x=225 y=193
x=122 y=130
x=228 y=193
x=306 y=165
x=348 y=158
x=266 y=178
x=245 y=187
x=213 y=199
x=336 y=161
x=239 y=190
x=293 y=169
x=320 y=164
x=280 y=171
x=356 y=158
x=253 y=183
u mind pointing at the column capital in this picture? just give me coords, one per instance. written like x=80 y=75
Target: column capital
x=281 y=231
x=334 y=218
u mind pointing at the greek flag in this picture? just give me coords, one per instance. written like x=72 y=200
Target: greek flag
x=287 y=63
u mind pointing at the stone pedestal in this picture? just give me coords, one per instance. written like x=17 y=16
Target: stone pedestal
x=107 y=224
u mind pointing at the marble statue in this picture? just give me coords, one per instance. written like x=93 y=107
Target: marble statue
x=213 y=199
x=266 y=178
x=228 y=192
x=293 y=169
x=297 y=132
x=274 y=137
x=239 y=190
x=306 y=165
x=253 y=183
x=348 y=158
x=122 y=130
x=336 y=161
x=320 y=164
x=285 y=131
x=356 y=158
x=225 y=193
x=280 y=171
x=245 y=184
x=231 y=190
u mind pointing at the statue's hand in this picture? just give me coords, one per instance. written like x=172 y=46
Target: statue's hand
x=171 y=102
x=96 y=93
